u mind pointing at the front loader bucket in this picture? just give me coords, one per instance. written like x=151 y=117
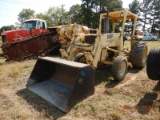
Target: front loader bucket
x=62 y=83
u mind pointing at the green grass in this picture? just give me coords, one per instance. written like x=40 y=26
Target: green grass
x=150 y=44
x=108 y=101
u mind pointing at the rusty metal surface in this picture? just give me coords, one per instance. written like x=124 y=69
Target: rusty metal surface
x=30 y=47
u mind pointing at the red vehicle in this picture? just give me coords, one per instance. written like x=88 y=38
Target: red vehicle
x=30 y=27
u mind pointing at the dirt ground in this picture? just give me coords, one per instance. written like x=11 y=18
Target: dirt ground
x=136 y=97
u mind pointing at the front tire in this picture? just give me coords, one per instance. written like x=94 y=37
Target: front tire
x=80 y=58
x=119 y=68
x=139 y=54
x=153 y=64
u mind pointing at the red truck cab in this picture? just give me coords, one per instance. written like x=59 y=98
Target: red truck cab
x=29 y=27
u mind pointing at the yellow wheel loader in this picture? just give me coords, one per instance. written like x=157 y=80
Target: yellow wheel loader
x=107 y=45
x=64 y=82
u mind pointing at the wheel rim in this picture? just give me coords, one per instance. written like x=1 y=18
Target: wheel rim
x=82 y=60
x=145 y=55
x=122 y=68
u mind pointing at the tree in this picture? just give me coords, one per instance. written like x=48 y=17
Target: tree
x=87 y=6
x=59 y=16
x=134 y=7
x=18 y=25
x=156 y=17
x=41 y=16
x=146 y=9
x=75 y=14
x=45 y=17
x=92 y=8
x=113 y=5
x=26 y=14
x=54 y=16
x=5 y=28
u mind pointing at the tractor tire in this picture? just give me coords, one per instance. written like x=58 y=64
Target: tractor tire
x=153 y=64
x=80 y=58
x=153 y=39
x=138 y=54
x=119 y=68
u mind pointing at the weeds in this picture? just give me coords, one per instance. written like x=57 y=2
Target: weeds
x=108 y=101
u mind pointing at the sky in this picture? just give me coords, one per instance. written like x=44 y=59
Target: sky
x=9 y=9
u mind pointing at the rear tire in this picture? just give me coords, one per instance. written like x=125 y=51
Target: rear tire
x=119 y=68
x=153 y=64
x=139 y=54
x=80 y=58
x=153 y=39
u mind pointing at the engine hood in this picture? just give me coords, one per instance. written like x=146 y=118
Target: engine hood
x=11 y=31
x=20 y=33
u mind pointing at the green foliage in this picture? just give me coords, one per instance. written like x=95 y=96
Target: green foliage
x=113 y=5
x=87 y=6
x=54 y=16
x=92 y=8
x=146 y=9
x=59 y=16
x=75 y=14
x=26 y=14
x=18 y=25
x=156 y=13
x=46 y=18
x=151 y=14
x=134 y=7
x=88 y=13
x=5 y=28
